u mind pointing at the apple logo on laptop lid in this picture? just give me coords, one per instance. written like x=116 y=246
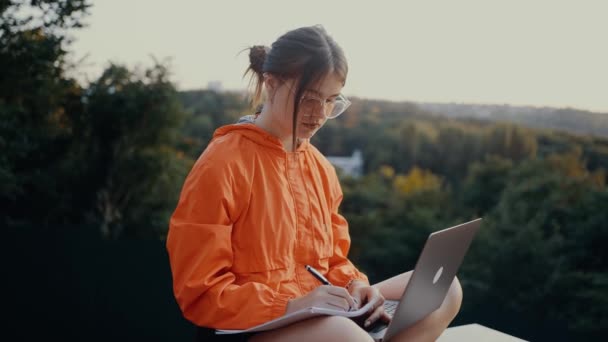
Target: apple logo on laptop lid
x=438 y=275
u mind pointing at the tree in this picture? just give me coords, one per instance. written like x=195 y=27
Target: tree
x=103 y=154
x=130 y=150
x=548 y=224
x=485 y=182
x=416 y=180
x=39 y=109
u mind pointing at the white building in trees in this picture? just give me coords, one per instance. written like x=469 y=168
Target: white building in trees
x=352 y=166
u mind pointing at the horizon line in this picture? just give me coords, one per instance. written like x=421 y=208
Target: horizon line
x=451 y=102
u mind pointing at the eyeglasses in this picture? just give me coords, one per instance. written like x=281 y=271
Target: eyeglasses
x=332 y=108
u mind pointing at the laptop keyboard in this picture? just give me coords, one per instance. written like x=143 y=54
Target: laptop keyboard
x=390 y=308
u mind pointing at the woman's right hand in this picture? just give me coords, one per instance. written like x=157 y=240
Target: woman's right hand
x=324 y=296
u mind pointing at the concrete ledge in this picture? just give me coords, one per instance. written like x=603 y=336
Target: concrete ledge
x=475 y=332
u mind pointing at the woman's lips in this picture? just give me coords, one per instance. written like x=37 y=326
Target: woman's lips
x=311 y=125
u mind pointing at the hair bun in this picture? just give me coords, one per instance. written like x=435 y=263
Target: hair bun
x=257 y=56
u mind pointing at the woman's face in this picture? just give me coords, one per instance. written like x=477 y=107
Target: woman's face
x=315 y=103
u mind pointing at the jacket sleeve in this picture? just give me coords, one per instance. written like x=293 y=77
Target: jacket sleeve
x=200 y=253
x=341 y=269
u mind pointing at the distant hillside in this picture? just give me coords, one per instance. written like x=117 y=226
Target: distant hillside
x=563 y=119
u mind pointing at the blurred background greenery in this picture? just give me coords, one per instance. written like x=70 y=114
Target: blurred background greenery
x=89 y=175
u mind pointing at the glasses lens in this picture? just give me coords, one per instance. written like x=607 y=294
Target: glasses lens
x=339 y=106
x=331 y=109
x=310 y=105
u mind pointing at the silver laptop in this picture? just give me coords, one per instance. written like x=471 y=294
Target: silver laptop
x=435 y=270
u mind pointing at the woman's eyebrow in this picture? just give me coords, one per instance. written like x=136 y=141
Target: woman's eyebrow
x=318 y=93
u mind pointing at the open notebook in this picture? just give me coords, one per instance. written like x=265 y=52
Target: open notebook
x=299 y=316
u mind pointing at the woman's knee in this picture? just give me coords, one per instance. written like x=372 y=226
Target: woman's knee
x=454 y=298
x=392 y=288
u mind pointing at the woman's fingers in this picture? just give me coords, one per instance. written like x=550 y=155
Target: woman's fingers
x=338 y=302
x=377 y=311
x=373 y=296
x=385 y=317
x=357 y=299
x=341 y=292
x=377 y=314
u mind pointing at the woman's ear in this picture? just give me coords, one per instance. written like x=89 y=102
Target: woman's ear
x=272 y=84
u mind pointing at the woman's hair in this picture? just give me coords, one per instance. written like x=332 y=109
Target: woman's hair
x=306 y=54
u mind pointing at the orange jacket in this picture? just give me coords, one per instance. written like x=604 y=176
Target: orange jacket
x=249 y=218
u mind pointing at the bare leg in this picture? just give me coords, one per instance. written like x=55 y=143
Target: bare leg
x=332 y=328
x=432 y=326
x=336 y=328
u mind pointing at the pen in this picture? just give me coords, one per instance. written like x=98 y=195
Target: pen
x=322 y=279
x=317 y=275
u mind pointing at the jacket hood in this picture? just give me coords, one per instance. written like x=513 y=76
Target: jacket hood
x=255 y=134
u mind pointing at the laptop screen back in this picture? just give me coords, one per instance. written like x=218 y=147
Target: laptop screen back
x=433 y=274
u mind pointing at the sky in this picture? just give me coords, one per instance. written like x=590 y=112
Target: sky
x=534 y=52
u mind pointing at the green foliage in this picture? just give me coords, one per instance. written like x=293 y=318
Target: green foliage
x=134 y=123
x=114 y=154
x=207 y=110
x=485 y=182
x=548 y=228
x=105 y=154
x=38 y=111
x=571 y=120
x=542 y=195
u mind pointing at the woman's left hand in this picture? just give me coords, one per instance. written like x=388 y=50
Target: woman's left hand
x=363 y=294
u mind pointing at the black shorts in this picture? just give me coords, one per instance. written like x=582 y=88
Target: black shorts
x=209 y=335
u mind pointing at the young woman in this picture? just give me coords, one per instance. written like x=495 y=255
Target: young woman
x=261 y=202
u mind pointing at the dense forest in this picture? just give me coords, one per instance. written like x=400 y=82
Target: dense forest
x=565 y=119
x=113 y=155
